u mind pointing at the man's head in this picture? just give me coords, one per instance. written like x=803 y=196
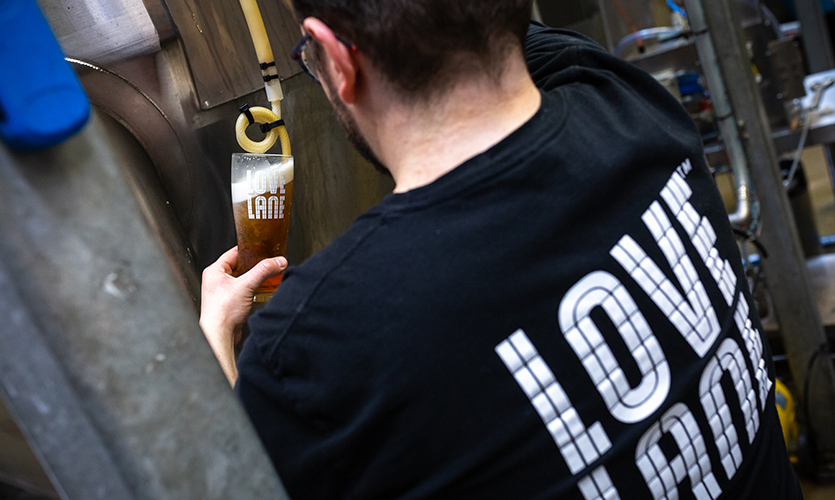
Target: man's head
x=351 y=128
x=422 y=46
x=386 y=63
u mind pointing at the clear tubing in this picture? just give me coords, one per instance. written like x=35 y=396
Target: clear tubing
x=261 y=42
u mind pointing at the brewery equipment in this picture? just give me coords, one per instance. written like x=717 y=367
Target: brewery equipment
x=754 y=95
x=133 y=387
x=270 y=119
x=165 y=80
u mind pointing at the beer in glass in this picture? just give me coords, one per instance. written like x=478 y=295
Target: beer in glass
x=262 y=194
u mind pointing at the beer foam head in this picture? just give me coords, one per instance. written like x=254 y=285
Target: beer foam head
x=287 y=169
x=240 y=192
x=241 y=189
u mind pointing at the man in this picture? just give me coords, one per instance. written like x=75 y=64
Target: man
x=549 y=305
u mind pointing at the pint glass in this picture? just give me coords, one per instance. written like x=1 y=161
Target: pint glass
x=262 y=194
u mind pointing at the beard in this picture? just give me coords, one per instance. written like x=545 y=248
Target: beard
x=349 y=125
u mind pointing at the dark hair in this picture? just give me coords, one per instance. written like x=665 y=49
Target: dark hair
x=422 y=45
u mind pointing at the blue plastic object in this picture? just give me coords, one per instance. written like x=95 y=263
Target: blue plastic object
x=689 y=83
x=675 y=8
x=42 y=102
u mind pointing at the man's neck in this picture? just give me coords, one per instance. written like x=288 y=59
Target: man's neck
x=421 y=144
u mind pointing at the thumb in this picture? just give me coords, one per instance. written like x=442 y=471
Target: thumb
x=265 y=269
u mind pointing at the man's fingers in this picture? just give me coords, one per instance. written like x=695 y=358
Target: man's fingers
x=265 y=269
x=228 y=260
x=225 y=263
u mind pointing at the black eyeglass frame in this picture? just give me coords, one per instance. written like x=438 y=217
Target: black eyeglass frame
x=297 y=52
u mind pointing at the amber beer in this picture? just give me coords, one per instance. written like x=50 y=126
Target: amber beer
x=262 y=194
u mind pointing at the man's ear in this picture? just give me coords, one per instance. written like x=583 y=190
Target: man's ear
x=340 y=61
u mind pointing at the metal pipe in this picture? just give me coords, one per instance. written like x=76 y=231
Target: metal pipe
x=818 y=89
x=662 y=34
x=785 y=268
x=536 y=14
x=47 y=410
x=102 y=360
x=816 y=37
x=743 y=217
x=769 y=19
x=610 y=42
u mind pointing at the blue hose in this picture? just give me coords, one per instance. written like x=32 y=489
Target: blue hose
x=676 y=8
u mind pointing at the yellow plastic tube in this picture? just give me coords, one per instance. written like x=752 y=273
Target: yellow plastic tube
x=283 y=137
x=258 y=32
x=261 y=115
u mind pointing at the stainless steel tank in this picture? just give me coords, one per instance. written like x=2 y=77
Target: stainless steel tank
x=166 y=79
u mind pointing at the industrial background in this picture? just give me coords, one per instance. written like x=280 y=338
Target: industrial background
x=108 y=389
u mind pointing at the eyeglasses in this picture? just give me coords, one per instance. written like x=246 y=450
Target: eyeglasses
x=303 y=55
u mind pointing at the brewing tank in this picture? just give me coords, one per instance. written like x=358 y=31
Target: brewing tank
x=166 y=79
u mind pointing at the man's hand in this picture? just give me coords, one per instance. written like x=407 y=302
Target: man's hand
x=226 y=302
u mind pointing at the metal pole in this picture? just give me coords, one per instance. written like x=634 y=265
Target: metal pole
x=102 y=361
x=56 y=426
x=536 y=15
x=746 y=203
x=610 y=42
x=794 y=302
x=816 y=37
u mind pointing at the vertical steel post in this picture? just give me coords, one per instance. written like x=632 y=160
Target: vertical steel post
x=746 y=203
x=610 y=42
x=536 y=15
x=816 y=37
x=101 y=358
x=785 y=267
